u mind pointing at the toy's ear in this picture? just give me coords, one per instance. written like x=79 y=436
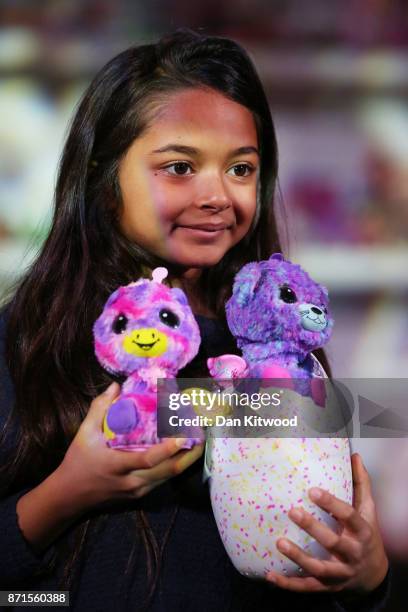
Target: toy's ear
x=247 y=283
x=180 y=296
x=113 y=297
x=277 y=257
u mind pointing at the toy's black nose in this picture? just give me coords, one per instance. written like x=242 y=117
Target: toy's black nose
x=316 y=310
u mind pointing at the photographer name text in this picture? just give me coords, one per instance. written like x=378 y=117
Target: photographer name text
x=223 y=421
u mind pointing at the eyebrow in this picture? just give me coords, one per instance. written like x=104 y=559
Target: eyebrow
x=177 y=148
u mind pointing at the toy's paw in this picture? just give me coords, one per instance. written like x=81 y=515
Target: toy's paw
x=274 y=371
x=318 y=389
x=278 y=373
x=122 y=416
x=227 y=366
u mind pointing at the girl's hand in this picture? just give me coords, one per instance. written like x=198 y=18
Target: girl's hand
x=93 y=473
x=358 y=562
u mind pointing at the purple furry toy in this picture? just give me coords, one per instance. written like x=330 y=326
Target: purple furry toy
x=278 y=315
x=146 y=331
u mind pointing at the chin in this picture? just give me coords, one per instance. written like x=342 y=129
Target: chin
x=197 y=256
x=197 y=262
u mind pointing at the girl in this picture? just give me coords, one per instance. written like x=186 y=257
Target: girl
x=171 y=160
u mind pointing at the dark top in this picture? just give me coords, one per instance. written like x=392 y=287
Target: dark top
x=196 y=573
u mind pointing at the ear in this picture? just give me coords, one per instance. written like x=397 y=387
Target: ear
x=247 y=282
x=113 y=297
x=180 y=296
x=277 y=257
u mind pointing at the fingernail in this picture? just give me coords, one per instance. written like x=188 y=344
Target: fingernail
x=111 y=389
x=283 y=545
x=297 y=514
x=315 y=494
x=180 y=442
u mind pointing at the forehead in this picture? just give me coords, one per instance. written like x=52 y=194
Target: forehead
x=205 y=113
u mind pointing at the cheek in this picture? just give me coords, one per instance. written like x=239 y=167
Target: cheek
x=144 y=201
x=245 y=206
x=170 y=199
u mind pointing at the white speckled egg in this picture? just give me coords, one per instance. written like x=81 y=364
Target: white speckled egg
x=253 y=484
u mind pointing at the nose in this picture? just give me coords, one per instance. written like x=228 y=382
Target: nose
x=213 y=195
x=316 y=310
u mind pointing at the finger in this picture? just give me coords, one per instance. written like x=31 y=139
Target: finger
x=171 y=467
x=135 y=488
x=338 y=545
x=138 y=479
x=184 y=460
x=142 y=491
x=339 y=509
x=362 y=490
x=328 y=572
x=300 y=585
x=150 y=457
x=99 y=406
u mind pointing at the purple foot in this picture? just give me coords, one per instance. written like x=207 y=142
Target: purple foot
x=122 y=417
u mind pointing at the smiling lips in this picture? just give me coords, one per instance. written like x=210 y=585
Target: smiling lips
x=145 y=346
x=206 y=229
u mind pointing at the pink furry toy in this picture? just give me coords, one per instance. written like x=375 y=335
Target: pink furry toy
x=146 y=331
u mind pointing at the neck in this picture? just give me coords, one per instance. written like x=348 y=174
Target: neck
x=189 y=281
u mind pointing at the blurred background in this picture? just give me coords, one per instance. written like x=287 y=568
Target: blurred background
x=336 y=74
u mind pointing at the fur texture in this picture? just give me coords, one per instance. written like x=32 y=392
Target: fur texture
x=278 y=315
x=146 y=331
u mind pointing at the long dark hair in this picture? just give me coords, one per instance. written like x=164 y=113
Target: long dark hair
x=85 y=256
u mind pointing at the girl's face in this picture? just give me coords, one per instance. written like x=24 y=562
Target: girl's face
x=189 y=182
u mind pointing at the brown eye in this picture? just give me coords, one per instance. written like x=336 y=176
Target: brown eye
x=119 y=324
x=241 y=170
x=178 y=168
x=287 y=295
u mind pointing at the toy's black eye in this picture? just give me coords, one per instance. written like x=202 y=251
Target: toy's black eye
x=287 y=295
x=119 y=324
x=169 y=318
